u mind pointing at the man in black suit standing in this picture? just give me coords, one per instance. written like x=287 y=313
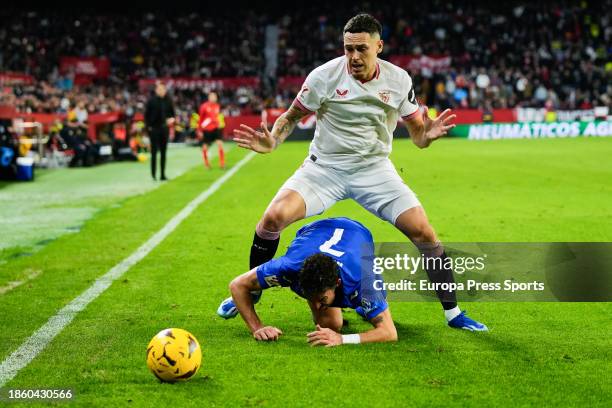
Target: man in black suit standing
x=159 y=115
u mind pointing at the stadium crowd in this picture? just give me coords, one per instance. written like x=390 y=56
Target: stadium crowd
x=502 y=55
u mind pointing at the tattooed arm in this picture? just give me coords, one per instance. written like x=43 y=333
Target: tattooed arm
x=241 y=288
x=384 y=330
x=266 y=141
x=286 y=122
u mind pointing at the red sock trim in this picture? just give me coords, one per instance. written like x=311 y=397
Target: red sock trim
x=205 y=156
x=221 y=156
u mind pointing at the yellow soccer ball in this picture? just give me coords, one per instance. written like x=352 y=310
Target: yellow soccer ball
x=174 y=355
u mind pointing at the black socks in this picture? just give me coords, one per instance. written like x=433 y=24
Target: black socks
x=439 y=271
x=262 y=250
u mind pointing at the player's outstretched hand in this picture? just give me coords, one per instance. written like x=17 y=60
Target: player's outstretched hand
x=324 y=337
x=438 y=127
x=249 y=138
x=268 y=333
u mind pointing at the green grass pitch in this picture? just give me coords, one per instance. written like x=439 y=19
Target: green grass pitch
x=537 y=354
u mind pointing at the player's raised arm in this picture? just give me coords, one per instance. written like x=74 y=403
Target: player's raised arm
x=266 y=141
x=384 y=330
x=423 y=130
x=241 y=288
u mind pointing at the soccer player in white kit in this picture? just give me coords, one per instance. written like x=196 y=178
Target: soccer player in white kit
x=358 y=99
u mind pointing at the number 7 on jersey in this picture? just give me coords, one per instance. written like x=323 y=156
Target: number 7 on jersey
x=327 y=245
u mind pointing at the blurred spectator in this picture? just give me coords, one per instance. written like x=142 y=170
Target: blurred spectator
x=8 y=152
x=81 y=113
x=502 y=54
x=75 y=137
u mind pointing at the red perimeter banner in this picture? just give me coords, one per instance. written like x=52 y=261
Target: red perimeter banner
x=424 y=64
x=199 y=83
x=14 y=78
x=88 y=67
x=46 y=119
x=288 y=81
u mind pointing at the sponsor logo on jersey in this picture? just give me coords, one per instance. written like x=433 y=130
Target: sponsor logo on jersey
x=342 y=92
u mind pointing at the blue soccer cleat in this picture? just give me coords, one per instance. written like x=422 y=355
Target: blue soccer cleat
x=464 y=322
x=228 y=310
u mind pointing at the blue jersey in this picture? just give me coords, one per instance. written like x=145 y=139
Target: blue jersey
x=346 y=241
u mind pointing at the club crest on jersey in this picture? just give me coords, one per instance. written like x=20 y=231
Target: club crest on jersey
x=384 y=96
x=342 y=93
x=366 y=305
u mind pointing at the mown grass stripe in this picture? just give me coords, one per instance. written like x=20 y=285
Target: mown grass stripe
x=33 y=345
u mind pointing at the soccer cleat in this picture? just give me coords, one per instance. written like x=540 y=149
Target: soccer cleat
x=464 y=322
x=228 y=310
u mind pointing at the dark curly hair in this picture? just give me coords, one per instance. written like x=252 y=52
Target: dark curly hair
x=319 y=273
x=363 y=23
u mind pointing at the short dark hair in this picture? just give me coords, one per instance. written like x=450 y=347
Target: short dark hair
x=319 y=273
x=363 y=23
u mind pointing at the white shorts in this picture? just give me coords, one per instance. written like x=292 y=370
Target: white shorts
x=378 y=188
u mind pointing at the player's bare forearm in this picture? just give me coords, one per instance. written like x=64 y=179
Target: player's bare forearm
x=241 y=288
x=285 y=123
x=266 y=141
x=384 y=329
x=416 y=131
x=282 y=128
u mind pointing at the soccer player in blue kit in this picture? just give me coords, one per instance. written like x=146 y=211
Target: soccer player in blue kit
x=329 y=263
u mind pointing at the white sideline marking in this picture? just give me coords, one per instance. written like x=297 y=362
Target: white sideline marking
x=34 y=344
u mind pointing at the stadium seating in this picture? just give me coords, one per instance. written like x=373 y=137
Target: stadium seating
x=499 y=56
